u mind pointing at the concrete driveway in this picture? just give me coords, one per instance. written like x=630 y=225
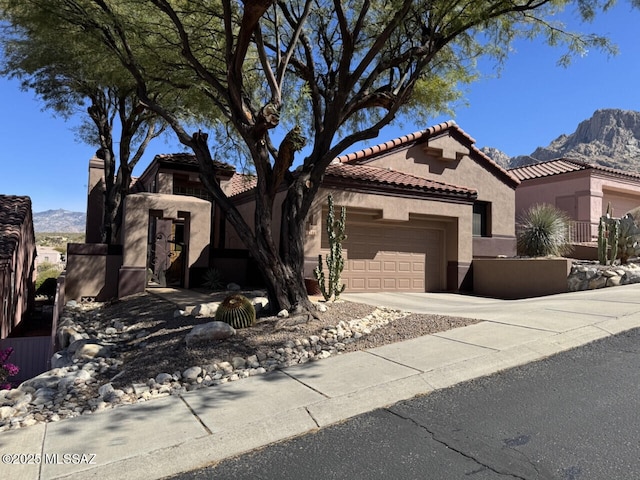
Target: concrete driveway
x=585 y=306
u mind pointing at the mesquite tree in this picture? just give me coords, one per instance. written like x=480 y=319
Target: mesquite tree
x=71 y=77
x=281 y=74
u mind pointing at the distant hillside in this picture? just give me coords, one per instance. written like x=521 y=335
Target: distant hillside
x=610 y=138
x=59 y=221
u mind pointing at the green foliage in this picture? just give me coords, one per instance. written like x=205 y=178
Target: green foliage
x=543 y=230
x=44 y=278
x=237 y=311
x=331 y=287
x=213 y=279
x=58 y=240
x=603 y=242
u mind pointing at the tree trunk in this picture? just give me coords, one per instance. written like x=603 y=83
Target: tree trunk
x=283 y=268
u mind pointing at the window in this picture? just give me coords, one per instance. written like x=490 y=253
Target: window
x=481 y=219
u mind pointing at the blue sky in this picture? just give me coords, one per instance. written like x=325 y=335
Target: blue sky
x=529 y=105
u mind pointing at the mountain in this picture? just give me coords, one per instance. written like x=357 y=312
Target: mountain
x=59 y=221
x=610 y=138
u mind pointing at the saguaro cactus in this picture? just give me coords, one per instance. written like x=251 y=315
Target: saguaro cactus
x=335 y=262
x=617 y=238
x=603 y=242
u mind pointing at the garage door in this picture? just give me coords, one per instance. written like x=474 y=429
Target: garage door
x=393 y=258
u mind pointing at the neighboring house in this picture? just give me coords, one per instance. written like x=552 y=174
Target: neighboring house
x=17 y=261
x=580 y=189
x=419 y=209
x=48 y=255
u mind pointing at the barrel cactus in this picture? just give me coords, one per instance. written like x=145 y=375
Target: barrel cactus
x=237 y=311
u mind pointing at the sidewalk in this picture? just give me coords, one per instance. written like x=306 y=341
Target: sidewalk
x=180 y=433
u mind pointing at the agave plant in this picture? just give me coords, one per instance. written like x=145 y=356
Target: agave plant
x=543 y=230
x=213 y=279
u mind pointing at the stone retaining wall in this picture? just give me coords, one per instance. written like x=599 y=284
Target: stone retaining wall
x=591 y=275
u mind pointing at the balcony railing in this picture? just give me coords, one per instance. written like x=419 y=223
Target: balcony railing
x=581 y=232
x=578 y=232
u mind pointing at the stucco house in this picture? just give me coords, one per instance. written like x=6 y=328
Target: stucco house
x=49 y=255
x=581 y=189
x=420 y=208
x=17 y=261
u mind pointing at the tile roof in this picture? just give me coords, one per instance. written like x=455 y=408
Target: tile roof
x=14 y=211
x=187 y=159
x=563 y=165
x=240 y=183
x=383 y=176
x=407 y=140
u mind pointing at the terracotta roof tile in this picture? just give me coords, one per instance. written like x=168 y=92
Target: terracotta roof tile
x=14 y=211
x=563 y=165
x=240 y=183
x=383 y=176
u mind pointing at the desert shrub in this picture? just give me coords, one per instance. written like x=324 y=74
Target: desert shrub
x=213 y=279
x=44 y=275
x=543 y=230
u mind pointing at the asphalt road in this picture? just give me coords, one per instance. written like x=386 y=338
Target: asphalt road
x=573 y=416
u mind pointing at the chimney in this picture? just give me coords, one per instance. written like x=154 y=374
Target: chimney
x=95 y=200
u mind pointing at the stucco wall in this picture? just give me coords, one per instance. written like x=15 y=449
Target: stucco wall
x=512 y=278
x=576 y=185
x=92 y=271
x=584 y=194
x=138 y=208
x=458 y=169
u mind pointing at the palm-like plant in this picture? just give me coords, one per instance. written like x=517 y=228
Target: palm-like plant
x=543 y=230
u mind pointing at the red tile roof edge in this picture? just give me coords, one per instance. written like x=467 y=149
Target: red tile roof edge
x=555 y=167
x=414 y=181
x=14 y=211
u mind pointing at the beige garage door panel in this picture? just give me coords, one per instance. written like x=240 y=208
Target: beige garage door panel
x=388 y=258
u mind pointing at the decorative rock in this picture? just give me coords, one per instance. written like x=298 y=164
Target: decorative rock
x=209 y=331
x=284 y=313
x=226 y=367
x=61 y=359
x=71 y=389
x=163 y=377
x=238 y=362
x=7 y=412
x=67 y=335
x=191 y=373
x=91 y=350
x=106 y=390
x=260 y=303
x=614 y=281
x=205 y=309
